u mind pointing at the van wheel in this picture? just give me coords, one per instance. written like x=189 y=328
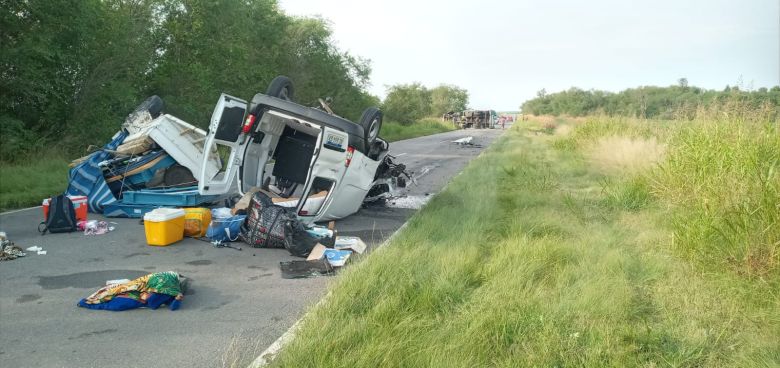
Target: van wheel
x=372 y=124
x=281 y=87
x=153 y=104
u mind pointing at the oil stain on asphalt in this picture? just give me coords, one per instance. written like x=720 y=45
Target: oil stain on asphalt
x=86 y=280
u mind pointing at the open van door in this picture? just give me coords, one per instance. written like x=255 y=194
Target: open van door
x=333 y=156
x=224 y=137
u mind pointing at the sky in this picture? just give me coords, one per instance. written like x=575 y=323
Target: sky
x=504 y=51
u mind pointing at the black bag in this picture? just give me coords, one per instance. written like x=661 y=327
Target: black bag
x=265 y=224
x=270 y=226
x=302 y=242
x=61 y=217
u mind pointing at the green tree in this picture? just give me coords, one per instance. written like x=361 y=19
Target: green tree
x=447 y=97
x=406 y=103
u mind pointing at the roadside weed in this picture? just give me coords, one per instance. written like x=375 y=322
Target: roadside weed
x=536 y=256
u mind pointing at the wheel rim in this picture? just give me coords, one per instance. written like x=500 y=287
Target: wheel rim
x=373 y=130
x=283 y=94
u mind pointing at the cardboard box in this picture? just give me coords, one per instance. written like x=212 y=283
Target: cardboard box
x=352 y=243
x=317 y=253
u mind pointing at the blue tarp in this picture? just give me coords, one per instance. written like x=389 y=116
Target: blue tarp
x=87 y=178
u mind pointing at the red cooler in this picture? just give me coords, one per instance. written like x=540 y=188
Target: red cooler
x=79 y=205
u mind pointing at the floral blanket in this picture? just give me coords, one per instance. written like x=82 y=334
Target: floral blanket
x=151 y=291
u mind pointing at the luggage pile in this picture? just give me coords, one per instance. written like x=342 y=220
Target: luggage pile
x=151 y=162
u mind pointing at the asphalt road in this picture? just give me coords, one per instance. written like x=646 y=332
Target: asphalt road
x=237 y=303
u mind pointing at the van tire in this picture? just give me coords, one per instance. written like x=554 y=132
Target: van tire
x=371 y=121
x=281 y=87
x=154 y=105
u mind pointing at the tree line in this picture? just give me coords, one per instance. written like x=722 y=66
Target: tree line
x=407 y=103
x=679 y=101
x=71 y=70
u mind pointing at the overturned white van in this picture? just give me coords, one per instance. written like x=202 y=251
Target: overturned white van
x=308 y=158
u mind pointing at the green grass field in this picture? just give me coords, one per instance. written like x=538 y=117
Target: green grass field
x=25 y=184
x=602 y=244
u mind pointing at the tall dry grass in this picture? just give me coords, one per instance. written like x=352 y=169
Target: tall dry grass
x=717 y=175
x=616 y=154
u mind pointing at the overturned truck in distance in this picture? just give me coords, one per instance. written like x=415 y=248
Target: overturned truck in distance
x=478 y=119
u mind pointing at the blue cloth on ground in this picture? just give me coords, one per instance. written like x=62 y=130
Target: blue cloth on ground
x=118 y=304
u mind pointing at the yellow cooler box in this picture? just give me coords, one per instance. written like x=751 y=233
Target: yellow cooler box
x=196 y=222
x=164 y=226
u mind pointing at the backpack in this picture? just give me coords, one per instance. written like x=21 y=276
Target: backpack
x=61 y=217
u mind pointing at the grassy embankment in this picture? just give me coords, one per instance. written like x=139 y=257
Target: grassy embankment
x=26 y=183
x=614 y=242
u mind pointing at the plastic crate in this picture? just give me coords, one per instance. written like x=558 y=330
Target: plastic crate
x=181 y=197
x=119 y=209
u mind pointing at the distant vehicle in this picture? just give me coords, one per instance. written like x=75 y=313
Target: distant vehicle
x=308 y=158
x=479 y=119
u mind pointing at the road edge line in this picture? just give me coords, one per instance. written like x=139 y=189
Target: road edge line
x=19 y=210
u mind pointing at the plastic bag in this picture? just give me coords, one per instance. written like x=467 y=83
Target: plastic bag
x=225 y=229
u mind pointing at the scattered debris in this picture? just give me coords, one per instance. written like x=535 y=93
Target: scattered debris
x=95 y=227
x=317 y=253
x=9 y=251
x=337 y=258
x=305 y=269
x=465 y=140
x=351 y=243
x=221 y=244
x=38 y=250
x=408 y=202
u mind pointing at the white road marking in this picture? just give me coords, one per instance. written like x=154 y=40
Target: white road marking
x=23 y=209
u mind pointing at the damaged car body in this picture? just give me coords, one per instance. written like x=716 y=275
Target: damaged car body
x=309 y=159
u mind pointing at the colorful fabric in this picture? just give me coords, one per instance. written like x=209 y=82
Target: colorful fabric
x=166 y=283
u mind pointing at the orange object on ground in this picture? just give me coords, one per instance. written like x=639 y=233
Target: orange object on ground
x=79 y=206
